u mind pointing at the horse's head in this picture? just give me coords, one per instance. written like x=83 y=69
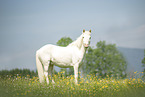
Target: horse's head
x=86 y=38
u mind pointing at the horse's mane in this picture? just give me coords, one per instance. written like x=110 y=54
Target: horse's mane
x=77 y=42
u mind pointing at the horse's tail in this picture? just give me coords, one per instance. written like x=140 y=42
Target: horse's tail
x=39 y=68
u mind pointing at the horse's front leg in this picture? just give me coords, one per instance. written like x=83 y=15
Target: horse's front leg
x=76 y=73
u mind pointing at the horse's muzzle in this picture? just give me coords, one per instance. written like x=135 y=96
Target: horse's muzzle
x=86 y=45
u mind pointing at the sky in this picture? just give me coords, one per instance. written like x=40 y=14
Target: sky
x=27 y=25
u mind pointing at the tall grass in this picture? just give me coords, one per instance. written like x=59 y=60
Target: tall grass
x=65 y=87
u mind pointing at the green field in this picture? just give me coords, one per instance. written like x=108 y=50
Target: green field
x=64 y=87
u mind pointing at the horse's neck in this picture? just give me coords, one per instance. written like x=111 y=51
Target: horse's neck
x=78 y=43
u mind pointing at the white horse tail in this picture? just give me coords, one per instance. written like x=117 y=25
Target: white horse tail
x=39 y=68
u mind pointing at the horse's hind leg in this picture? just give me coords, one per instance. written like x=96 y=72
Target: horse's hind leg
x=51 y=71
x=46 y=67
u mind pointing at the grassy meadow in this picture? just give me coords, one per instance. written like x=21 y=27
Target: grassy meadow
x=90 y=86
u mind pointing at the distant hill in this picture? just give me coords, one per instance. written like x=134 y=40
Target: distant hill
x=133 y=57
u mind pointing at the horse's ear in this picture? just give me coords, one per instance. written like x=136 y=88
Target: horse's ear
x=83 y=30
x=90 y=30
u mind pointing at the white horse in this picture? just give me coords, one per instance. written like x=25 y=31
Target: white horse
x=50 y=55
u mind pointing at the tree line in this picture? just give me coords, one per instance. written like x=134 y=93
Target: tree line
x=17 y=72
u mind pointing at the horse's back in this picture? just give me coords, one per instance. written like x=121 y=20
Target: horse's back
x=54 y=51
x=45 y=50
x=53 y=48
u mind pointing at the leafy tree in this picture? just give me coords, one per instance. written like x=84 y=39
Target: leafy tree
x=105 y=60
x=64 y=41
x=143 y=62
